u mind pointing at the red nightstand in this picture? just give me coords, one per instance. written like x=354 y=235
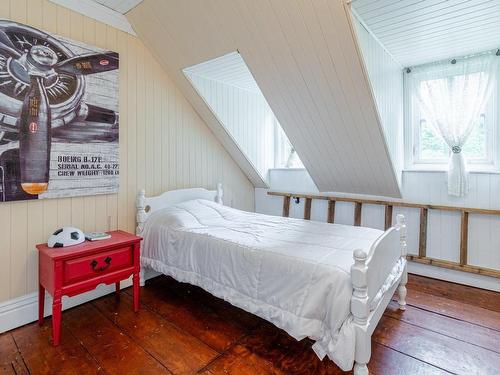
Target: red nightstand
x=77 y=269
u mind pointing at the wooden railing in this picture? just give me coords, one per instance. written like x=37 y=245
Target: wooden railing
x=389 y=205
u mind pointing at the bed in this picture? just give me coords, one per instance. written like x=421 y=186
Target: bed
x=329 y=282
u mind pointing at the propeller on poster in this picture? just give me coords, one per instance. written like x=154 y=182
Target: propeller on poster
x=58 y=116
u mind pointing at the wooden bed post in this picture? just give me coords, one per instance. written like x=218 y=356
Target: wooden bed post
x=360 y=309
x=141 y=218
x=401 y=223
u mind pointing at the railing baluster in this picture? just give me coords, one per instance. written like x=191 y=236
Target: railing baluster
x=421 y=257
x=422 y=239
x=331 y=211
x=286 y=206
x=388 y=217
x=307 y=209
x=464 y=236
x=357 y=214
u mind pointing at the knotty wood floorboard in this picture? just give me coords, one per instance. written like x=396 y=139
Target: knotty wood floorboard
x=484 y=337
x=192 y=316
x=11 y=361
x=113 y=349
x=181 y=329
x=70 y=357
x=454 y=309
x=464 y=294
x=438 y=350
x=176 y=349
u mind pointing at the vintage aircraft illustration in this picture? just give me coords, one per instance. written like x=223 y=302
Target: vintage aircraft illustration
x=42 y=98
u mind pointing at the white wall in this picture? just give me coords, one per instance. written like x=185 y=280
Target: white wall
x=245 y=115
x=386 y=79
x=164 y=145
x=443 y=233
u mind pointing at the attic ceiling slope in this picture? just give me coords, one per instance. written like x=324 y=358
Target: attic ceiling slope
x=304 y=57
x=421 y=31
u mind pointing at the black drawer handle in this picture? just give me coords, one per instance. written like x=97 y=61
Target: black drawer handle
x=94 y=264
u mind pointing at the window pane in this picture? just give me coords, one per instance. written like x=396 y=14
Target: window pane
x=432 y=146
x=285 y=156
x=475 y=147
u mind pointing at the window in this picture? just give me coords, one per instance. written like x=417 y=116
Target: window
x=425 y=148
x=285 y=155
x=228 y=88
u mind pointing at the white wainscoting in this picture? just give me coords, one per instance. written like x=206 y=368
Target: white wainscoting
x=443 y=233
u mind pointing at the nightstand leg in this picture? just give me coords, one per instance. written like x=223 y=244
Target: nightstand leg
x=41 y=303
x=136 y=291
x=117 y=288
x=56 y=321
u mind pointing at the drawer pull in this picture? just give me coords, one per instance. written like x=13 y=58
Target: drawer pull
x=94 y=263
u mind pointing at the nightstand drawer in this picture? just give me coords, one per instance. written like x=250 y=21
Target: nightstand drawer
x=97 y=265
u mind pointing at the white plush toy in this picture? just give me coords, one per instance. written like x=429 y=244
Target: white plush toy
x=67 y=236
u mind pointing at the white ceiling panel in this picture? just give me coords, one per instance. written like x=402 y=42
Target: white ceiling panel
x=420 y=31
x=121 y=6
x=229 y=69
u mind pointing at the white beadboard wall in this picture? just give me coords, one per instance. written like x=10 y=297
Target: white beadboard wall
x=443 y=231
x=422 y=31
x=163 y=145
x=245 y=115
x=386 y=80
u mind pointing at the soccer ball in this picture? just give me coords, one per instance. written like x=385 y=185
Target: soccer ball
x=67 y=236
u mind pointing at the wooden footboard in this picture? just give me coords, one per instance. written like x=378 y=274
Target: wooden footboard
x=375 y=277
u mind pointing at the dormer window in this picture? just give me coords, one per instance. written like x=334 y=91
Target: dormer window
x=442 y=86
x=232 y=94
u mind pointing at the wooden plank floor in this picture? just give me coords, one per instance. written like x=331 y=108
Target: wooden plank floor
x=180 y=329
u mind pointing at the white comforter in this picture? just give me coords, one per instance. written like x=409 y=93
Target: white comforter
x=291 y=272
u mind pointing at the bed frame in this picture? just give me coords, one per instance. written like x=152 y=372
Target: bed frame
x=375 y=276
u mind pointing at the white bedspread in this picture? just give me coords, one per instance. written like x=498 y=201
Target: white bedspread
x=291 y=272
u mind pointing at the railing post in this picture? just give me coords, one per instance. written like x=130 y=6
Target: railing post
x=388 y=217
x=464 y=236
x=357 y=214
x=286 y=206
x=331 y=211
x=307 y=209
x=422 y=240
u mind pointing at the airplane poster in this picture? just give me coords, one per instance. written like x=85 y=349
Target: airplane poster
x=58 y=116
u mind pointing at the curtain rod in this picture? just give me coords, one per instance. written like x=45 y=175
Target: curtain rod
x=454 y=60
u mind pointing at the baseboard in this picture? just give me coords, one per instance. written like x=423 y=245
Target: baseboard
x=459 y=277
x=23 y=310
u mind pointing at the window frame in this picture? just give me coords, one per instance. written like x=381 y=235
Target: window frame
x=412 y=124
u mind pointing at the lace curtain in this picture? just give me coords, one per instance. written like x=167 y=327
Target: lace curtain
x=452 y=96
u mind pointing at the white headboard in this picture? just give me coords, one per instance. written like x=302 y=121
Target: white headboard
x=147 y=205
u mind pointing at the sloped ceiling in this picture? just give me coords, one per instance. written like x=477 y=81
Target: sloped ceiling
x=421 y=31
x=121 y=6
x=305 y=60
x=228 y=69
